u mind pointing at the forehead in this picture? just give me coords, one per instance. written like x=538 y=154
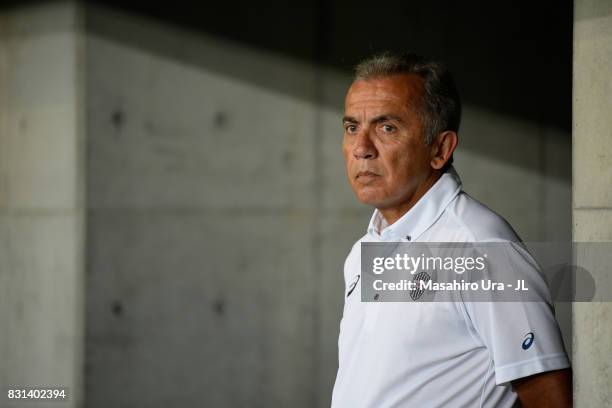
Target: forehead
x=393 y=92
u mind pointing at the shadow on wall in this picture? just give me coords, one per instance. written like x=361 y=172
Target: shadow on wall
x=505 y=60
x=514 y=59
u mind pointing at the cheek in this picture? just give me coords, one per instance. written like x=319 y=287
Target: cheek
x=403 y=165
x=395 y=163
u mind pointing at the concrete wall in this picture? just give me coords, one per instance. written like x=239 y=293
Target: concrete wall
x=201 y=223
x=592 y=203
x=41 y=200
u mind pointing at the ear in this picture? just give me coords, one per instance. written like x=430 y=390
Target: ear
x=442 y=149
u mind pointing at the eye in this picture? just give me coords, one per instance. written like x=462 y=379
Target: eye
x=388 y=128
x=349 y=128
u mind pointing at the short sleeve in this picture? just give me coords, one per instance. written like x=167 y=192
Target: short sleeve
x=523 y=337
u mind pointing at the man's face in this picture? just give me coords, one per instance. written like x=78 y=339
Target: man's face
x=387 y=160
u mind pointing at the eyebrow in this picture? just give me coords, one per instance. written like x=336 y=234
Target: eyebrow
x=377 y=119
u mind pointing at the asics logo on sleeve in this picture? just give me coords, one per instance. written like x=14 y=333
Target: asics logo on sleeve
x=529 y=337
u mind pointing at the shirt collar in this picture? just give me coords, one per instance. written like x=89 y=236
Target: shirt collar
x=422 y=215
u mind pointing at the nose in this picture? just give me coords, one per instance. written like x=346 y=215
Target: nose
x=364 y=147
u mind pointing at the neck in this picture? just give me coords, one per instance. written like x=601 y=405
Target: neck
x=392 y=214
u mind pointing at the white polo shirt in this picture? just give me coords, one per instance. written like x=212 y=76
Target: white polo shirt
x=444 y=354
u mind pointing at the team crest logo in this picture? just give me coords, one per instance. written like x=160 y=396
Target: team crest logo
x=420 y=279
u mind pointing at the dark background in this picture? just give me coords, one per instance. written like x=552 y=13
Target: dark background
x=513 y=57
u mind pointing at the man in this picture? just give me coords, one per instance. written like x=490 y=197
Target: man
x=402 y=115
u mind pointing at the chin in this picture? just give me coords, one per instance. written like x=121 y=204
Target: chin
x=369 y=198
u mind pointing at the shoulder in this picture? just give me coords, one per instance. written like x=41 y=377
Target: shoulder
x=476 y=222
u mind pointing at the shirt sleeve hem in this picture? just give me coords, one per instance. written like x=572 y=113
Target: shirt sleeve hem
x=529 y=367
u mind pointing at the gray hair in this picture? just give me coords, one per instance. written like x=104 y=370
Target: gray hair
x=440 y=107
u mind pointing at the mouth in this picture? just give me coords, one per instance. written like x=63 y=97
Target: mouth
x=366 y=174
